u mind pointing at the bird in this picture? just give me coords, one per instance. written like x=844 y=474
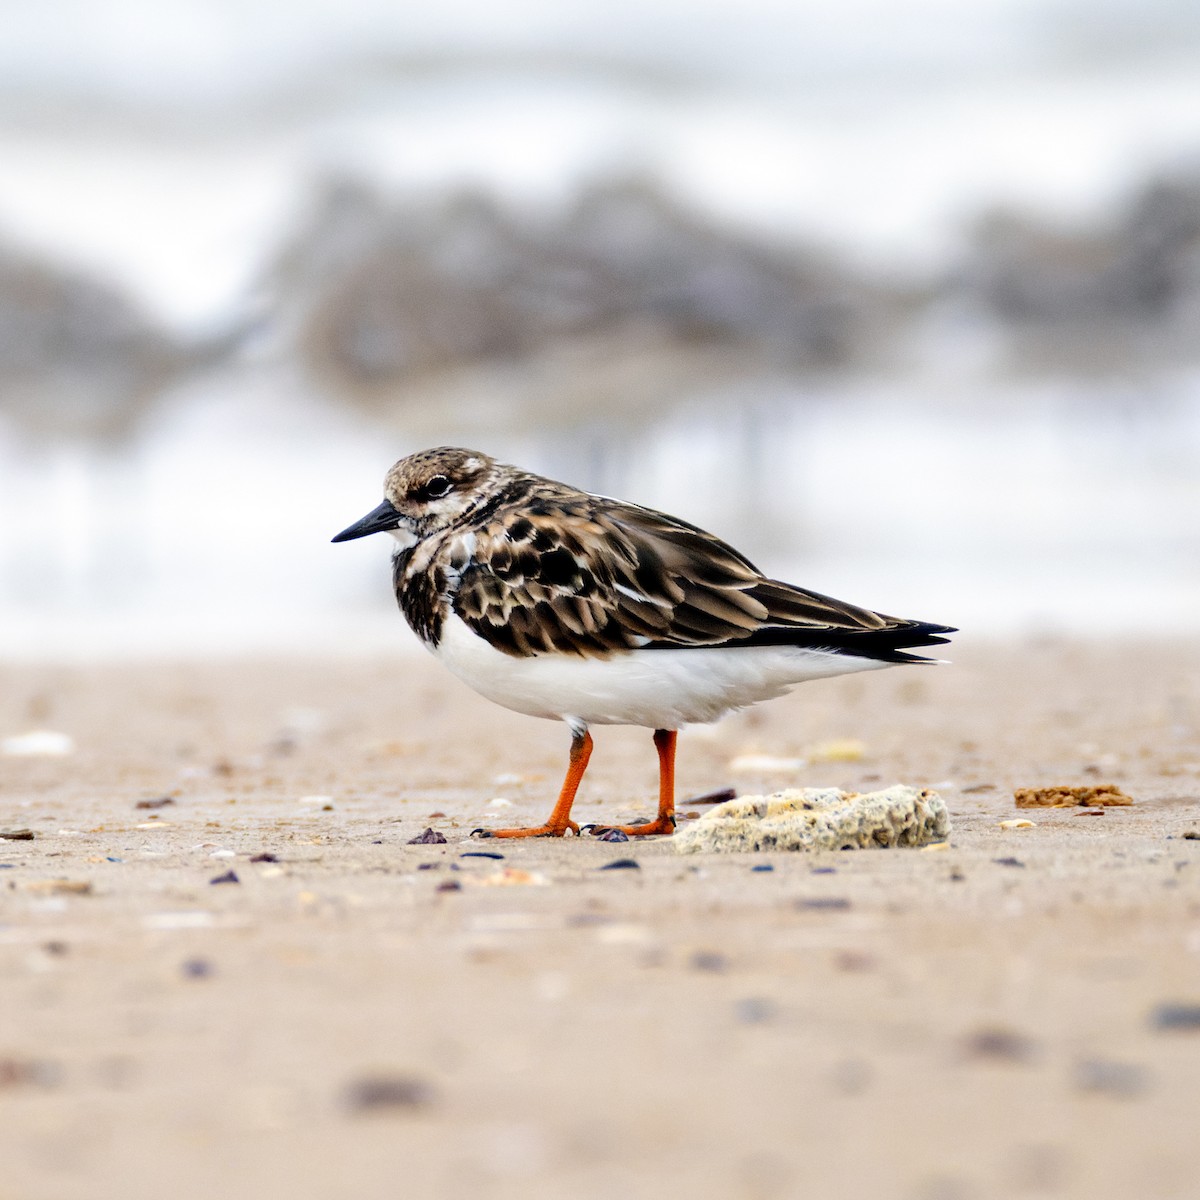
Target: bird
x=561 y=604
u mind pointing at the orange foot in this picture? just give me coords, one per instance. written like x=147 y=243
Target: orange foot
x=645 y=829
x=546 y=830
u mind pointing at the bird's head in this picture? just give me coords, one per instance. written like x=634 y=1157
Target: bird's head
x=426 y=492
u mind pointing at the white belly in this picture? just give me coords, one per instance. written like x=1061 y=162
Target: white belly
x=659 y=689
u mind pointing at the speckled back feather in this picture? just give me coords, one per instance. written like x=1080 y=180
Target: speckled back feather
x=536 y=567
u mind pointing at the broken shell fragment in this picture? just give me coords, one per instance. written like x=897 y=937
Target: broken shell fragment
x=1103 y=795
x=819 y=819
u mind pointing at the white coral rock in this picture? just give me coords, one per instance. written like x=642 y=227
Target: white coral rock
x=818 y=819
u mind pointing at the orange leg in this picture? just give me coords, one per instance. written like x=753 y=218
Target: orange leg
x=560 y=819
x=664 y=743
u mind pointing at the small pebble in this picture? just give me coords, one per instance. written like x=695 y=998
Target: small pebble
x=828 y=903
x=1008 y=862
x=998 y=1045
x=449 y=885
x=259 y=858
x=754 y=1010
x=430 y=837
x=16 y=1072
x=612 y=835
x=708 y=960
x=621 y=864
x=110 y=858
x=479 y=853
x=16 y=835
x=1191 y=835
x=824 y=871
x=427 y=866
x=228 y=877
x=854 y=960
x=763 y=867
x=157 y=802
x=196 y=968
x=1123 y=1080
x=716 y=796
x=852 y=1077
x=388 y=1093
x=1176 y=1018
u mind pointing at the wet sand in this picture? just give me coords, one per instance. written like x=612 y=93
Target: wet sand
x=982 y=1020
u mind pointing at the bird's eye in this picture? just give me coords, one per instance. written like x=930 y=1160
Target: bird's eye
x=436 y=487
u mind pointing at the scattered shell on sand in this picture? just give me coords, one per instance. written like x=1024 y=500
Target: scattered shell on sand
x=819 y=819
x=1017 y=823
x=1102 y=795
x=764 y=764
x=59 y=887
x=837 y=750
x=37 y=743
x=179 y=920
x=510 y=877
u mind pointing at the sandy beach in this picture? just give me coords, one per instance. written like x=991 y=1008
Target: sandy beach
x=354 y=1015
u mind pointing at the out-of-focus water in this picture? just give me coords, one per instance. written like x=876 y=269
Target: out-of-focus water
x=1010 y=511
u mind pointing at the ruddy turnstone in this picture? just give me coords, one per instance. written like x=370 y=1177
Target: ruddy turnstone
x=557 y=603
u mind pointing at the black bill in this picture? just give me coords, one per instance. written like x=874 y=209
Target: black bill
x=378 y=520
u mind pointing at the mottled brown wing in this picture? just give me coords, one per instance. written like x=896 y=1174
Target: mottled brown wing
x=566 y=574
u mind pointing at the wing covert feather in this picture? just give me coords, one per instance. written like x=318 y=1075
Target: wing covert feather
x=556 y=575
